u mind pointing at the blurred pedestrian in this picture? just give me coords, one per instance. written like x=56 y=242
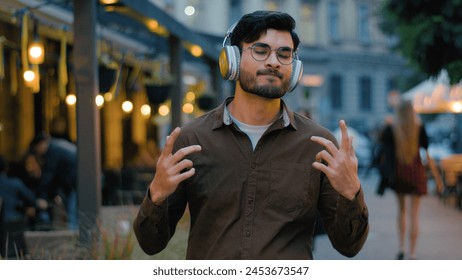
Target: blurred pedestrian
x=58 y=177
x=18 y=204
x=383 y=158
x=404 y=138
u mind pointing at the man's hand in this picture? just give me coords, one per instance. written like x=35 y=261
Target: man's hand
x=341 y=166
x=169 y=169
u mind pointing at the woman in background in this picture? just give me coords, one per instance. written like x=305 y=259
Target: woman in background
x=405 y=136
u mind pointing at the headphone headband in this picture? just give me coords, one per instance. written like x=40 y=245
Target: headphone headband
x=230 y=58
x=229 y=33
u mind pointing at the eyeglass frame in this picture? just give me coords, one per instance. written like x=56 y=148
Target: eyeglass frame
x=258 y=44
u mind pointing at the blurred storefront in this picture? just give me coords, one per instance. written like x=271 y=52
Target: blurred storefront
x=144 y=82
x=436 y=97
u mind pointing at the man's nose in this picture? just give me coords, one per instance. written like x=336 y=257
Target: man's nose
x=273 y=59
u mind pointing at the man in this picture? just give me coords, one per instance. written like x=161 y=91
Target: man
x=252 y=172
x=18 y=202
x=58 y=177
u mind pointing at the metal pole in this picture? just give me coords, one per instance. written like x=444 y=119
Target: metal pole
x=88 y=124
x=176 y=91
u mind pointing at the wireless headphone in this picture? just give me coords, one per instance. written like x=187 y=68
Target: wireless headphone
x=230 y=57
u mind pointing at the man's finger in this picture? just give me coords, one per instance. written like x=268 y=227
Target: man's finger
x=183 y=152
x=327 y=144
x=345 y=137
x=168 y=147
x=352 y=149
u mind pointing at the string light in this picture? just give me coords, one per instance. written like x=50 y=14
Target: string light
x=145 y=110
x=29 y=76
x=188 y=108
x=457 y=107
x=127 y=106
x=164 y=110
x=71 y=99
x=36 y=52
x=99 y=100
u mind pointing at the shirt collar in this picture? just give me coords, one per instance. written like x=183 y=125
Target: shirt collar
x=287 y=116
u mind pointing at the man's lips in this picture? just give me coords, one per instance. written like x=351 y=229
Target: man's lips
x=270 y=73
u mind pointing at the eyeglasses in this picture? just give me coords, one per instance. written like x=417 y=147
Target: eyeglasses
x=261 y=52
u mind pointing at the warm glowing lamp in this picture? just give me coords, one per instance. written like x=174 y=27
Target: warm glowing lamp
x=127 y=106
x=99 y=100
x=29 y=76
x=196 y=51
x=36 y=52
x=145 y=110
x=456 y=107
x=71 y=99
x=188 y=108
x=164 y=110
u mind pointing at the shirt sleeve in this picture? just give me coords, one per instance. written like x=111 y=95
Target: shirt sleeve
x=154 y=224
x=346 y=222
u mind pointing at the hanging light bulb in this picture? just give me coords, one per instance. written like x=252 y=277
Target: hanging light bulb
x=71 y=99
x=164 y=110
x=188 y=108
x=145 y=110
x=127 y=106
x=99 y=100
x=36 y=50
x=29 y=76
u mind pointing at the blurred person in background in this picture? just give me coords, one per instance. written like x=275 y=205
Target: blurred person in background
x=58 y=174
x=403 y=139
x=19 y=204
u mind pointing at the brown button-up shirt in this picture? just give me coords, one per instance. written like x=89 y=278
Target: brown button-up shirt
x=254 y=204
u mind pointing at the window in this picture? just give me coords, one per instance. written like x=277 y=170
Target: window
x=308 y=23
x=335 y=91
x=365 y=93
x=334 y=21
x=363 y=24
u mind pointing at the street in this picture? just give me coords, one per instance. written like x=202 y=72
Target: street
x=440 y=228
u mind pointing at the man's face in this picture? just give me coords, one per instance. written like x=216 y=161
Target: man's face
x=268 y=78
x=41 y=148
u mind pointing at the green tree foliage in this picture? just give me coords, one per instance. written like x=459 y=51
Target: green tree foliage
x=429 y=34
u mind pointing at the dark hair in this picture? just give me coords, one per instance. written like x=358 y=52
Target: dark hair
x=41 y=136
x=251 y=26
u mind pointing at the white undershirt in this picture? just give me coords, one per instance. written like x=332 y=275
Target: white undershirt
x=254 y=132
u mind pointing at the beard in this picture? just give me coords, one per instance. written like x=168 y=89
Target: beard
x=248 y=83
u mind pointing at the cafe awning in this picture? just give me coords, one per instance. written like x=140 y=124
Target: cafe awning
x=436 y=96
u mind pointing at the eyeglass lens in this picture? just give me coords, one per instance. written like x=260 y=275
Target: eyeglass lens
x=261 y=52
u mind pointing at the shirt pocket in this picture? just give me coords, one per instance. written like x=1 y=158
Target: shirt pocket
x=291 y=187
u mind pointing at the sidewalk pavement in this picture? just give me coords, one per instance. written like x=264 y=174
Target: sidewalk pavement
x=440 y=228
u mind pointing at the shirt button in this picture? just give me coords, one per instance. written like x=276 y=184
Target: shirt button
x=250 y=201
x=247 y=233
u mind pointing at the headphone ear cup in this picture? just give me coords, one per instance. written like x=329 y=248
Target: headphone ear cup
x=229 y=62
x=297 y=71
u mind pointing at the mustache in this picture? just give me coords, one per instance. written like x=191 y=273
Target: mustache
x=270 y=71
